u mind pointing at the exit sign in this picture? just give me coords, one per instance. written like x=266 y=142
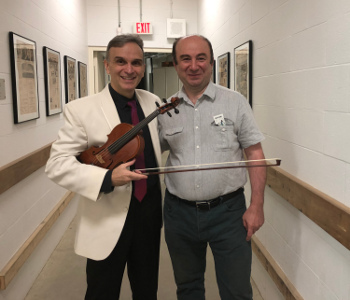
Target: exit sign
x=143 y=28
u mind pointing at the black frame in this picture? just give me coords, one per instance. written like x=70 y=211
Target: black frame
x=224 y=70
x=52 y=76
x=213 y=73
x=243 y=70
x=70 y=78
x=23 y=69
x=82 y=79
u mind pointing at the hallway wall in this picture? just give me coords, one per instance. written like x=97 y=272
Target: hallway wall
x=60 y=25
x=301 y=90
x=103 y=20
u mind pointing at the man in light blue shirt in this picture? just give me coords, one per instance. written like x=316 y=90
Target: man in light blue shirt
x=214 y=125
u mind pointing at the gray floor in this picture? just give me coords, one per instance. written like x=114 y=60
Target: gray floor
x=63 y=277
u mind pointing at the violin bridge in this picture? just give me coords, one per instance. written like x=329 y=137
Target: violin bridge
x=100 y=158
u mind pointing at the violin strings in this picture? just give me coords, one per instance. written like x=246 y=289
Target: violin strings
x=131 y=133
x=115 y=146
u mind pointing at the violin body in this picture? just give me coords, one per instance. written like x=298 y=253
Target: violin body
x=124 y=142
x=103 y=156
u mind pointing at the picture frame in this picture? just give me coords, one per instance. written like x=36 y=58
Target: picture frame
x=70 y=78
x=24 y=77
x=243 y=57
x=224 y=69
x=82 y=79
x=213 y=73
x=53 y=83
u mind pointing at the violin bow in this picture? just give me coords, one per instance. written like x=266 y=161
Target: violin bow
x=211 y=166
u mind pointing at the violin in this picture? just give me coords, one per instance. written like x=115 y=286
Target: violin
x=125 y=142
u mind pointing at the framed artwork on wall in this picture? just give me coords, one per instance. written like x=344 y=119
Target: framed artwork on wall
x=82 y=75
x=24 y=78
x=213 y=73
x=53 y=84
x=243 y=70
x=70 y=78
x=224 y=70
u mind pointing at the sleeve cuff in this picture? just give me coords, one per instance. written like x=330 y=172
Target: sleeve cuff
x=107 y=183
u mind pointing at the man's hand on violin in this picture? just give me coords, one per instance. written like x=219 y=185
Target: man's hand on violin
x=122 y=175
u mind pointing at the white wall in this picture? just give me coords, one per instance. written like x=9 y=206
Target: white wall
x=301 y=90
x=102 y=18
x=60 y=25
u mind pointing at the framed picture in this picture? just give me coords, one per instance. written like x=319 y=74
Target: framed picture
x=53 y=84
x=82 y=74
x=243 y=70
x=213 y=73
x=224 y=70
x=70 y=78
x=24 y=77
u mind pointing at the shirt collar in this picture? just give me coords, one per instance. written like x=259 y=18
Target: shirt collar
x=208 y=94
x=119 y=100
x=210 y=91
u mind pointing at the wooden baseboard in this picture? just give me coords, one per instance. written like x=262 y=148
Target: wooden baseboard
x=17 y=261
x=282 y=282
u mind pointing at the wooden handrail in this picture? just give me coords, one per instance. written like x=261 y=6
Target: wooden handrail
x=19 y=169
x=328 y=213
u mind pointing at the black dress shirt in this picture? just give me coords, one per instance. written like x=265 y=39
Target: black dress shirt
x=124 y=111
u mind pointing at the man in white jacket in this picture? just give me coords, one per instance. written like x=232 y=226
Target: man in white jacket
x=115 y=228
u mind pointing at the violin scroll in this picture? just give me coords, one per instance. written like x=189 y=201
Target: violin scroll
x=169 y=105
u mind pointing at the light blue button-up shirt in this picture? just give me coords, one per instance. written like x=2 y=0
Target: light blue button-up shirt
x=194 y=138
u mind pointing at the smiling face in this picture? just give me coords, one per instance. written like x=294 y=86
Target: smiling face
x=126 y=67
x=194 y=66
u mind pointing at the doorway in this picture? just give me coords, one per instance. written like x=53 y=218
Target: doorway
x=160 y=75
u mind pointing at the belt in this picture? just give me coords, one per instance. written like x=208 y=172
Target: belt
x=209 y=204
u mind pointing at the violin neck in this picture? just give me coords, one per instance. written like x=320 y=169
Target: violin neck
x=127 y=137
x=138 y=127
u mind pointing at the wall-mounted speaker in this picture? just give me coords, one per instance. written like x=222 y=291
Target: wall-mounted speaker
x=176 y=28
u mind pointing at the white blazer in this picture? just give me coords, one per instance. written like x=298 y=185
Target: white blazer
x=101 y=217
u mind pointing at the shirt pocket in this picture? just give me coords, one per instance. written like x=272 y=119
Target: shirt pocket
x=175 y=138
x=223 y=137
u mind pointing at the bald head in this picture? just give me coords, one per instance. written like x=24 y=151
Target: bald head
x=177 y=41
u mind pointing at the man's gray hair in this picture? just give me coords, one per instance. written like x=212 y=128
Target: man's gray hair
x=120 y=40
